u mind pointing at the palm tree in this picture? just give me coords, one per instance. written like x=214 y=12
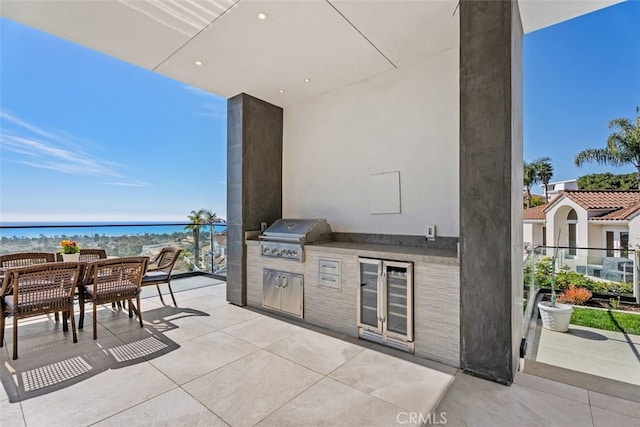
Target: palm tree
x=544 y=172
x=197 y=219
x=530 y=178
x=623 y=146
x=211 y=218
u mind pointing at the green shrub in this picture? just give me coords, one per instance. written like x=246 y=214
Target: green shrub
x=566 y=278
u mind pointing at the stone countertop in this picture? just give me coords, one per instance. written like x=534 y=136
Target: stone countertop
x=391 y=249
x=378 y=250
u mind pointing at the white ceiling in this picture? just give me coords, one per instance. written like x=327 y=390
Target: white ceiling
x=333 y=43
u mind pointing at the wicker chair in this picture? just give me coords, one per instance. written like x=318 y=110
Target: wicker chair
x=88 y=255
x=112 y=280
x=161 y=273
x=39 y=289
x=26 y=258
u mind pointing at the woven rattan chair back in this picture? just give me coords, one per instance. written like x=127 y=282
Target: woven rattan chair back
x=112 y=280
x=39 y=289
x=24 y=259
x=161 y=269
x=88 y=255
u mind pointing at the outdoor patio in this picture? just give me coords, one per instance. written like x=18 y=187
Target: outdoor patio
x=211 y=363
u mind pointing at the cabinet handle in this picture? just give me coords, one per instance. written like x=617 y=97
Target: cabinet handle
x=328 y=266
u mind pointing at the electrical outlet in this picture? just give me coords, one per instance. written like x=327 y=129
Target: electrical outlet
x=431 y=232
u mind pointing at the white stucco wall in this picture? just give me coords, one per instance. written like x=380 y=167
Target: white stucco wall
x=405 y=120
x=532 y=233
x=634 y=232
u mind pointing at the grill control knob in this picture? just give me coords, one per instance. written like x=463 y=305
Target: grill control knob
x=266 y=250
x=274 y=251
x=294 y=253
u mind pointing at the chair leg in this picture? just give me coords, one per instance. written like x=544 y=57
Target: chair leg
x=95 y=320
x=65 y=325
x=72 y=315
x=130 y=310
x=2 y=320
x=81 y=317
x=171 y=292
x=160 y=294
x=139 y=311
x=15 y=337
x=55 y=317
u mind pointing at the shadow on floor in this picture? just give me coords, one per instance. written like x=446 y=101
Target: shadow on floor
x=47 y=362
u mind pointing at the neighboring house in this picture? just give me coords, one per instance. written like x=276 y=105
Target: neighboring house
x=555 y=188
x=608 y=219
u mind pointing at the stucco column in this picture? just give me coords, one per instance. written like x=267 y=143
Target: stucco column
x=254 y=180
x=490 y=188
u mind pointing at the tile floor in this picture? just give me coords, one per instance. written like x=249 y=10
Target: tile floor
x=211 y=363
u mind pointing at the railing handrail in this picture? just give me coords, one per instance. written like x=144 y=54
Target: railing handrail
x=158 y=224
x=580 y=247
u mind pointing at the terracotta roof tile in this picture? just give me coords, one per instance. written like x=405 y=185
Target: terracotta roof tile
x=603 y=199
x=536 y=213
x=623 y=213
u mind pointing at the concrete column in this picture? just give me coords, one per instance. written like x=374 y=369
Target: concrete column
x=254 y=180
x=490 y=188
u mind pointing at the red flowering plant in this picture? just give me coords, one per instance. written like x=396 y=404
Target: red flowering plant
x=69 y=247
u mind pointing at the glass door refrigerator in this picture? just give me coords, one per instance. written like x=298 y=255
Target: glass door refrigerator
x=385 y=302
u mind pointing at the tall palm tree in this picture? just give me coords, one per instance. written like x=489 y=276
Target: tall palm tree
x=623 y=146
x=197 y=219
x=530 y=179
x=211 y=218
x=544 y=172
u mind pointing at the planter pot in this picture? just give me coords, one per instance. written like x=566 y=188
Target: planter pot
x=71 y=257
x=555 y=318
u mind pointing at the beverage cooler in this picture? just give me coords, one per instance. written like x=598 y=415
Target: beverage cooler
x=385 y=303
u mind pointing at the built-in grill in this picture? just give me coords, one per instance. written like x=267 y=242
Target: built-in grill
x=286 y=238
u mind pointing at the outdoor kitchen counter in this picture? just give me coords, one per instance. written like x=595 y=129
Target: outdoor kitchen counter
x=436 y=286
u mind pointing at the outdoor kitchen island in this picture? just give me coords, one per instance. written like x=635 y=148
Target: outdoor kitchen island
x=331 y=272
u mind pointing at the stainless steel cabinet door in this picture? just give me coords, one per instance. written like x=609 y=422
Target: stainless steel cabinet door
x=271 y=293
x=291 y=287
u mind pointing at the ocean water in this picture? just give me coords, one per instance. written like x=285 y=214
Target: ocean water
x=62 y=229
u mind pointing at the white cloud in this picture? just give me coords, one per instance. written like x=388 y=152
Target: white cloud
x=55 y=151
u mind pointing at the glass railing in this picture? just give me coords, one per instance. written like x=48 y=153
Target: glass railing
x=607 y=273
x=204 y=247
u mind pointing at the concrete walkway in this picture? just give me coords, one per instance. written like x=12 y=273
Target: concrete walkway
x=211 y=363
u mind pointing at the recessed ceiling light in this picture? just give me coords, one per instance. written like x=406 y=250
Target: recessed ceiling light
x=198 y=63
x=281 y=91
x=307 y=80
x=262 y=16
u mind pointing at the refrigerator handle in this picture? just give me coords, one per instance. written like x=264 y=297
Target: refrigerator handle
x=383 y=294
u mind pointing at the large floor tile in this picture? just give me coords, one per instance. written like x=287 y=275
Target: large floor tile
x=202 y=355
x=473 y=401
x=263 y=331
x=407 y=385
x=227 y=315
x=553 y=387
x=604 y=418
x=615 y=404
x=331 y=403
x=316 y=351
x=98 y=397
x=244 y=392
x=185 y=411
x=11 y=414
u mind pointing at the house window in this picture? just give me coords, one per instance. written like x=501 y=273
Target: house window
x=544 y=236
x=617 y=243
x=572 y=223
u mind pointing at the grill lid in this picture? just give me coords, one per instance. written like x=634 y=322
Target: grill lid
x=298 y=230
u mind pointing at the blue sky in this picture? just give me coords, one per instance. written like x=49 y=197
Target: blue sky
x=85 y=137
x=578 y=75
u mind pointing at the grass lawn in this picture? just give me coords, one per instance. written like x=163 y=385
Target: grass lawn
x=608 y=320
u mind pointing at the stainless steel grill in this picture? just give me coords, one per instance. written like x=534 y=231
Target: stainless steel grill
x=285 y=238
